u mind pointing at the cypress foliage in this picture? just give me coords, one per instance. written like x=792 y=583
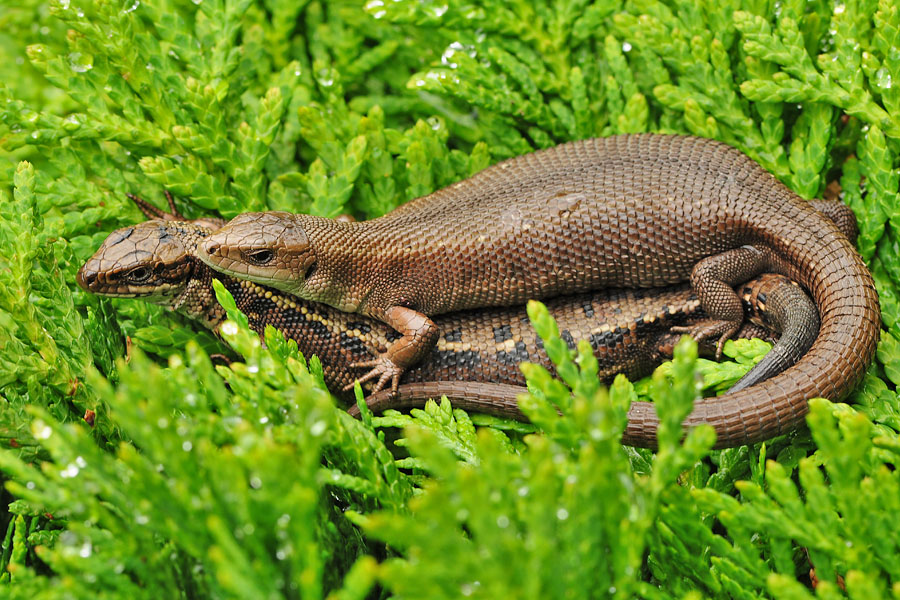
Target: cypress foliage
x=134 y=465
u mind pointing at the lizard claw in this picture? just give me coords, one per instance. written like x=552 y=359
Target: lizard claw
x=384 y=369
x=710 y=328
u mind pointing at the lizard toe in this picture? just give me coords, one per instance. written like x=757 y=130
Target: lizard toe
x=709 y=329
x=384 y=369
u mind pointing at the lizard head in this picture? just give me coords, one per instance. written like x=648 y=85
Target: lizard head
x=153 y=260
x=271 y=248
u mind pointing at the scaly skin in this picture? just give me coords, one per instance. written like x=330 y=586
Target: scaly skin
x=626 y=211
x=629 y=330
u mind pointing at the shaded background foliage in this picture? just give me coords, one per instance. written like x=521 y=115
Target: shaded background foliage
x=185 y=487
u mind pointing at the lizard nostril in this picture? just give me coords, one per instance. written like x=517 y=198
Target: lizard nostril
x=212 y=248
x=86 y=279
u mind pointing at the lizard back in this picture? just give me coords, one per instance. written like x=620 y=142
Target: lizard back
x=624 y=211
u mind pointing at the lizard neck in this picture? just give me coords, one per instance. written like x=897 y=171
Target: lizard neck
x=198 y=300
x=342 y=248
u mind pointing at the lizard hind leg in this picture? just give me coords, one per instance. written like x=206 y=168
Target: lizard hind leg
x=151 y=212
x=713 y=280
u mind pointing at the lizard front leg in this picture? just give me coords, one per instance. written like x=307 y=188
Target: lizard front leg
x=713 y=280
x=420 y=334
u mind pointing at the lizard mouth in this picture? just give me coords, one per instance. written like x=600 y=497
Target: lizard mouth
x=94 y=282
x=158 y=294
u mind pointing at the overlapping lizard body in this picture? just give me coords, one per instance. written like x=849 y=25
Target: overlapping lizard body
x=629 y=330
x=625 y=211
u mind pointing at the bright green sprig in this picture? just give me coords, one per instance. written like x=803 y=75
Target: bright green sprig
x=836 y=77
x=837 y=520
x=696 y=48
x=44 y=354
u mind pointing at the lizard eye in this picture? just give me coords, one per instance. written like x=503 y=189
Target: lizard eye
x=138 y=274
x=260 y=257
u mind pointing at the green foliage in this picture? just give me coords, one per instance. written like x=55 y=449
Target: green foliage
x=136 y=468
x=529 y=523
x=204 y=469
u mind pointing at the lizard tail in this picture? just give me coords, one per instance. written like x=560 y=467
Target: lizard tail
x=842 y=288
x=497 y=399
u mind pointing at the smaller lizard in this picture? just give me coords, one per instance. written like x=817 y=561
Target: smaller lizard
x=629 y=330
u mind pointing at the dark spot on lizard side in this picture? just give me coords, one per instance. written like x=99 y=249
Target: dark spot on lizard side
x=588 y=309
x=393 y=336
x=454 y=335
x=259 y=304
x=502 y=333
x=608 y=339
x=514 y=357
x=469 y=359
x=364 y=328
x=648 y=324
x=567 y=338
x=353 y=343
x=320 y=329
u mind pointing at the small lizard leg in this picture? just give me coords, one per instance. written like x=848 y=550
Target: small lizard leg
x=712 y=280
x=151 y=212
x=752 y=330
x=172 y=210
x=419 y=336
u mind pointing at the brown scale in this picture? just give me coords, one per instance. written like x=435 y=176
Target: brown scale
x=628 y=330
x=626 y=211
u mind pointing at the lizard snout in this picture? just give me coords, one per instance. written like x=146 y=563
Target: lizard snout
x=86 y=278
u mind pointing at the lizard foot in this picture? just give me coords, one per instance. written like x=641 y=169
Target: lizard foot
x=384 y=369
x=710 y=328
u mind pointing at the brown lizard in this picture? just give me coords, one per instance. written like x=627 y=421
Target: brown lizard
x=626 y=211
x=628 y=329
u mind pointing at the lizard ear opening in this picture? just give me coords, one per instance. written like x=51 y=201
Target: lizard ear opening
x=310 y=271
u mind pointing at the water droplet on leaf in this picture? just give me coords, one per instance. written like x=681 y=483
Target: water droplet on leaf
x=41 y=430
x=80 y=63
x=85 y=550
x=318 y=428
